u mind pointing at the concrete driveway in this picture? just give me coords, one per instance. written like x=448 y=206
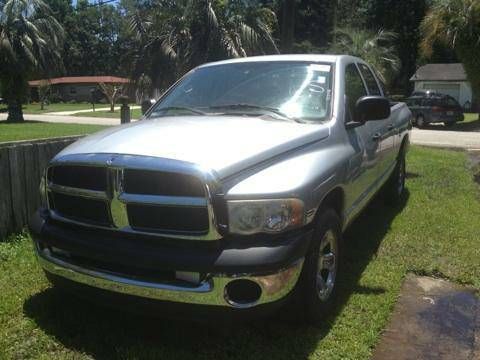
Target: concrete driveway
x=74 y=112
x=68 y=119
x=444 y=138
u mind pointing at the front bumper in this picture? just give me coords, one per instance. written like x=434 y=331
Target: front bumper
x=275 y=270
x=208 y=292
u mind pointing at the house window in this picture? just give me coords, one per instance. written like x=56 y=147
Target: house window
x=73 y=90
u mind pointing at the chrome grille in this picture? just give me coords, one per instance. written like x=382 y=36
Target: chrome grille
x=113 y=193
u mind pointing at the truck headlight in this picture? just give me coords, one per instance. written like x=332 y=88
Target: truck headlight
x=267 y=216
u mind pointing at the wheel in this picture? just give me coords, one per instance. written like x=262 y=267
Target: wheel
x=395 y=186
x=449 y=124
x=420 y=122
x=318 y=282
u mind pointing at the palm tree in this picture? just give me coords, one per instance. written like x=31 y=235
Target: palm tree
x=456 y=23
x=30 y=41
x=174 y=37
x=376 y=48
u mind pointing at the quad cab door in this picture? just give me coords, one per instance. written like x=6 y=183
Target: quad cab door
x=383 y=131
x=363 y=164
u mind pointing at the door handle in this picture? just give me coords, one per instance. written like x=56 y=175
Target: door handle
x=390 y=127
x=376 y=136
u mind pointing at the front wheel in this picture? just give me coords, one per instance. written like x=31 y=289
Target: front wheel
x=318 y=282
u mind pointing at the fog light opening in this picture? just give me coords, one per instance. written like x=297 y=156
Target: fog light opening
x=242 y=293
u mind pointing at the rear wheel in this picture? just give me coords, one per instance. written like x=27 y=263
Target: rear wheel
x=318 y=282
x=395 y=186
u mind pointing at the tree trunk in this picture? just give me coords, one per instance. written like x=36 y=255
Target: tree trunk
x=112 y=106
x=15 y=113
x=42 y=105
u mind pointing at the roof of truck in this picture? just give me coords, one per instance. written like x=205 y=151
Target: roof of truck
x=290 y=57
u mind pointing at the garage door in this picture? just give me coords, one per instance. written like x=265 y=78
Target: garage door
x=448 y=89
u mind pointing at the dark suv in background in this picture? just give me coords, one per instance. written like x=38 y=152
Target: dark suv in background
x=430 y=108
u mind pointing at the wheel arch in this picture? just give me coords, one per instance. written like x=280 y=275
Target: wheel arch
x=334 y=199
x=404 y=145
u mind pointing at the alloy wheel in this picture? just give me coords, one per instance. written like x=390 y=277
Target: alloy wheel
x=327 y=265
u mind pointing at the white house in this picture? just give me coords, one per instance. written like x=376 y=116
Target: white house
x=449 y=79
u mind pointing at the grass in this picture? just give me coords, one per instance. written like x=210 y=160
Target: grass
x=134 y=113
x=435 y=231
x=38 y=130
x=469 y=117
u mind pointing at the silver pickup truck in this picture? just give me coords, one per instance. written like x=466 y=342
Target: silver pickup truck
x=231 y=193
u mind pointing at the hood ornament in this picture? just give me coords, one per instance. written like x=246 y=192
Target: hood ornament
x=111 y=160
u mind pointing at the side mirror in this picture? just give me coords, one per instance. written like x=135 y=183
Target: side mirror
x=370 y=108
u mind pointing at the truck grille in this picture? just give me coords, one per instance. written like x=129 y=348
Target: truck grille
x=131 y=200
x=147 y=182
x=170 y=218
x=83 y=177
x=83 y=209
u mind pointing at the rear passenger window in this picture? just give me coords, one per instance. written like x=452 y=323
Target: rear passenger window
x=451 y=102
x=354 y=89
x=372 y=85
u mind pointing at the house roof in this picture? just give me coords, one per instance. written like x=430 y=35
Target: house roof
x=82 y=80
x=440 y=72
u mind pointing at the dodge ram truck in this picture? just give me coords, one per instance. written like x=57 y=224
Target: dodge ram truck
x=233 y=190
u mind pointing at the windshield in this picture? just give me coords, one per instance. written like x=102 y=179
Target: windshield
x=294 y=90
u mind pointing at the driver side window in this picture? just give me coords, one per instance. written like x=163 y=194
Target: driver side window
x=354 y=90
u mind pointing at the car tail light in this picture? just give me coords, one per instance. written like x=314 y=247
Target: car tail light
x=437 y=109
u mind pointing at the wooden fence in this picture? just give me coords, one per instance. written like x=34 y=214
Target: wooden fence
x=21 y=165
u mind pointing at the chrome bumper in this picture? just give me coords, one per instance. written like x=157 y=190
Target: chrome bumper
x=208 y=292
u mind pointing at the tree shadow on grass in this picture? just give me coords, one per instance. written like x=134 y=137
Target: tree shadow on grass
x=108 y=333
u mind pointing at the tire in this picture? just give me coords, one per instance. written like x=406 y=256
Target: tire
x=317 y=286
x=420 y=121
x=450 y=123
x=395 y=186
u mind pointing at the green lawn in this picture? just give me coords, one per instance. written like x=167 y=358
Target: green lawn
x=469 y=117
x=434 y=232
x=39 y=130
x=134 y=113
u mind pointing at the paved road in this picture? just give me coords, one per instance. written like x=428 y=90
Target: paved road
x=436 y=138
x=442 y=138
x=68 y=119
x=61 y=113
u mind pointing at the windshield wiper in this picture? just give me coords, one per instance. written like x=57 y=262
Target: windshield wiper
x=180 y=108
x=255 y=107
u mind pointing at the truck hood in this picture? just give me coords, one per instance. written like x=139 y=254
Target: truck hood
x=224 y=144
